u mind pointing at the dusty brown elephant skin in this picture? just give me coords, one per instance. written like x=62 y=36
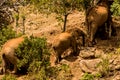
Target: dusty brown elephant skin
x=61 y=43
x=96 y=17
x=8 y=54
x=77 y=33
x=66 y=40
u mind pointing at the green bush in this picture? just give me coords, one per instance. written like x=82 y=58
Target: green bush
x=9 y=77
x=115 y=8
x=33 y=54
x=6 y=34
x=87 y=76
x=104 y=67
x=61 y=72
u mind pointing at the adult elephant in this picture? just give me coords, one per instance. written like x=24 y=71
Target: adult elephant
x=96 y=17
x=8 y=54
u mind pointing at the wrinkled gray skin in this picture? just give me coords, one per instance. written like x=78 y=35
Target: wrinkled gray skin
x=64 y=41
x=95 y=18
x=8 y=54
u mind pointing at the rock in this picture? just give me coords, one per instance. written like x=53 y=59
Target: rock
x=89 y=66
x=116 y=62
x=117 y=67
x=117 y=76
x=99 y=53
x=91 y=53
x=85 y=54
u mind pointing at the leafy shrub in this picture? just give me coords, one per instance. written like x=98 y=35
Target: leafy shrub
x=115 y=8
x=104 y=67
x=6 y=34
x=87 y=76
x=40 y=75
x=9 y=77
x=61 y=72
x=33 y=54
x=118 y=51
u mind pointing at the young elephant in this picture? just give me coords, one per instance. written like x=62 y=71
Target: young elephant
x=61 y=43
x=77 y=33
x=95 y=18
x=8 y=53
x=64 y=41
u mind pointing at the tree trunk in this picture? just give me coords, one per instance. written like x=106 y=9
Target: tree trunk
x=23 y=26
x=65 y=21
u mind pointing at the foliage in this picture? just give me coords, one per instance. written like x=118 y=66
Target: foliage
x=61 y=7
x=61 y=72
x=115 y=8
x=23 y=23
x=118 y=51
x=98 y=75
x=6 y=34
x=16 y=16
x=104 y=66
x=9 y=77
x=87 y=76
x=40 y=75
x=33 y=54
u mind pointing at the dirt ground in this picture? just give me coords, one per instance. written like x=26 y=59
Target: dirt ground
x=48 y=26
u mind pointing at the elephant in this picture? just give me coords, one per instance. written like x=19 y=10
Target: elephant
x=8 y=54
x=77 y=33
x=64 y=41
x=96 y=17
x=61 y=43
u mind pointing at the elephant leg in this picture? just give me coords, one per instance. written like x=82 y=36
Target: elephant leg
x=4 y=64
x=74 y=46
x=113 y=33
x=14 y=62
x=58 y=59
x=14 y=70
x=109 y=29
x=103 y=32
x=57 y=56
x=93 y=30
x=83 y=40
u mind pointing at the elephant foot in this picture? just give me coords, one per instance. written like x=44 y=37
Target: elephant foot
x=75 y=53
x=114 y=34
x=1 y=71
x=58 y=61
x=91 y=44
x=13 y=72
x=104 y=37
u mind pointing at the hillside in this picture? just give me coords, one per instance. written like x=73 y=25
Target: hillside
x=106 y=53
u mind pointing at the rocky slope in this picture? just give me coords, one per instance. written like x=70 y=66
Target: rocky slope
x=103 y=58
